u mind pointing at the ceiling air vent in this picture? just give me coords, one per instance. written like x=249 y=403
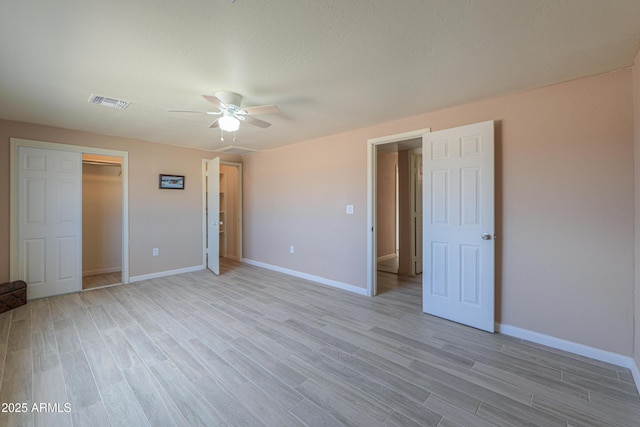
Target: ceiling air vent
x=118 y=104
x=236 y=150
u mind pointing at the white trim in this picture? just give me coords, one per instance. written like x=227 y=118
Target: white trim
x=165 y=273
x=397 y=137
x=372 y=285
x=571 y=347
x=321 y=280
x=635 y=371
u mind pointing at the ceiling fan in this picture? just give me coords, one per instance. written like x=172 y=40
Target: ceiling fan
x=228 y=104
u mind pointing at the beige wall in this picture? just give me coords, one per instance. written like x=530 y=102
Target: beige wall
x=565 y=210
x=636 y=123
x=101 y=219
x=170 y=220
x=386 y=204
x=297 y=196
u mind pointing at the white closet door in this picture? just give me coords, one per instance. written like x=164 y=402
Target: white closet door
x=50 y=221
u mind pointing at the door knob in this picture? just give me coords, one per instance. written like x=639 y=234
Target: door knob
x=486 y=236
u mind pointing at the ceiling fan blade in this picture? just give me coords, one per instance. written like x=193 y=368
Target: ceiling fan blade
x=215 y=124
x=192 y=111
x=215 y=101
x=262 y=109
x=256 y=122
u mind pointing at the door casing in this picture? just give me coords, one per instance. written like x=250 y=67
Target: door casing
x=14 y=144
x=372 y=159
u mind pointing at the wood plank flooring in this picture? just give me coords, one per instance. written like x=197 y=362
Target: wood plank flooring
x=254 y=347
x=389 y=265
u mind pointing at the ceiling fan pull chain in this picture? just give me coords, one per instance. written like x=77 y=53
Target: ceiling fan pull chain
x=221 y=135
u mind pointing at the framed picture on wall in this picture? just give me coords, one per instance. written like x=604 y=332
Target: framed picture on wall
x=171 y=182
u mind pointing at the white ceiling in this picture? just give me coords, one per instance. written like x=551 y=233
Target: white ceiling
x=330 y=65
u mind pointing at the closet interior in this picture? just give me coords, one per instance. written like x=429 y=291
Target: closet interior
x=101 y=221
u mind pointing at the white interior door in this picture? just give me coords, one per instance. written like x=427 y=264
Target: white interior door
x=213 y=215
x=459 y=251
x=50 y=221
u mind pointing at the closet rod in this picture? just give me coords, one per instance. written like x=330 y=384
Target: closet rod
x=101 y=163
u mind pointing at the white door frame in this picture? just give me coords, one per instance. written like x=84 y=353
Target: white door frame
x=372 y=159
x=204 y=208
x=15 y=143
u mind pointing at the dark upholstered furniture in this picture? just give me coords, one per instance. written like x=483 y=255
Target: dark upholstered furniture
x=12 y=295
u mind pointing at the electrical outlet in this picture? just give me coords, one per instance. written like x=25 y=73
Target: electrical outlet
x=156 y=252
x=292 y=249
x=349 y=210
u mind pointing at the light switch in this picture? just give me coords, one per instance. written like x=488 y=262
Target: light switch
x=349 y=209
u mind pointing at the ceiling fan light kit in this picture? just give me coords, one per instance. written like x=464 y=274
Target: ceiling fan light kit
x=228 y=122
x=230 y=112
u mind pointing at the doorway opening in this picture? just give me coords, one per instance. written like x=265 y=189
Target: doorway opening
x=229 y=211
x=398 y=230
x=395 y=225
x=224 y=195
x=101 y=221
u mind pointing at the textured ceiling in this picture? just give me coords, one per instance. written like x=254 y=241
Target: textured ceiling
x=330 y=65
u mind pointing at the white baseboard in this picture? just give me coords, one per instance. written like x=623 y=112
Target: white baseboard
x=165 y=273
x=635 y=370
x=321 y=280
x=101 y=271
x=573 y=347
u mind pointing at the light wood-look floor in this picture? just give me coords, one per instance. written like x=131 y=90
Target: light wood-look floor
x=389 y=265
x=254 y=347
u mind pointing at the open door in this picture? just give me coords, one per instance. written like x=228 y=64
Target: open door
x=213 y=215
x=459 y=250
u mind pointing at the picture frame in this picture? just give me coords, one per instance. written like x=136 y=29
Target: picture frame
x=171 y=182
